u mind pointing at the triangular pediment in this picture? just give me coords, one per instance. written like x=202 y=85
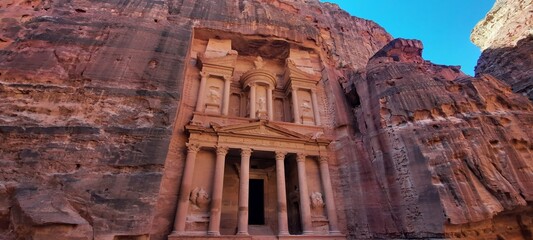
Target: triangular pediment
x=262 y=129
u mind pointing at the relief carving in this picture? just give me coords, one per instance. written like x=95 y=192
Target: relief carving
x=307 y=113
x=214 y=95
x=316 y=200
x=199 y=198
x=259 y=63
x=261 y=104
x=306 y=109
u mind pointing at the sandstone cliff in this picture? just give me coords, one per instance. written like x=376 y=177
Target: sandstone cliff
x=91 y=91
x=505 y=36
x=438 y=153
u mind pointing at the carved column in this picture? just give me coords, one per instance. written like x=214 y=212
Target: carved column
x=242 y=225
x=330 y=202
x=216 y=202
x=282 y=194
x=201 y=92
x=305 y=204
x=295 y=106
x=252 y=100
x=270 y=104
x=225 y=102
x=185 y=191
x=315 y=107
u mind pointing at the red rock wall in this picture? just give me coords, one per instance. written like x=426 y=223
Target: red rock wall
x=439 y=154
x=91 y=91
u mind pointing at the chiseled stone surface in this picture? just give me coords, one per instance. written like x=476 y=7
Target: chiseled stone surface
x=505 y=36
x=90 y=130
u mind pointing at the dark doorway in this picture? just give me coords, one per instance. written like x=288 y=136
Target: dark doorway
x=256 y=203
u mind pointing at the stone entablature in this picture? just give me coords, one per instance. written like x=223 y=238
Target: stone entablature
x=259 y=135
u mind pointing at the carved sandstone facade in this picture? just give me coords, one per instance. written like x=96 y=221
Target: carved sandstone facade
x=256 y=161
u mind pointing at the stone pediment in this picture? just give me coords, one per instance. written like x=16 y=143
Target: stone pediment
x=293 y=72
x=261 y=129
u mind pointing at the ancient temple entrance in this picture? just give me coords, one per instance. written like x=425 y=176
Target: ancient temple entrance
x=259 y=185
x=256 y=214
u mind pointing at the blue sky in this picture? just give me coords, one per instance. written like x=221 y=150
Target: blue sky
x=443 y=26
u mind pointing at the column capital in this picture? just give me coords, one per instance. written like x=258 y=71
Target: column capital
x=323 y=159
x=222 y=150
x=300 y=157
x=280 y=155
x=204 y=74
x=226 y=77
x=246 y=152
x=192 y=147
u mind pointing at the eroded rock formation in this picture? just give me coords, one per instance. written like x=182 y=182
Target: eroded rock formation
x=96 y=95
x=505 y=36
x=437 y=151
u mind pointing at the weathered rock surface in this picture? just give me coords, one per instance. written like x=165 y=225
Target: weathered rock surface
x=505 y=36
x=90 y=91
x=90 y=96
x=438 y=154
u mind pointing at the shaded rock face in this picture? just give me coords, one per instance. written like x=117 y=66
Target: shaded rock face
x=505 y=36
x=438 y=154
x=92 y=143
x=90 y=92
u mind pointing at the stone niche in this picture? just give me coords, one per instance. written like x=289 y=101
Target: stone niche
x=253 y=77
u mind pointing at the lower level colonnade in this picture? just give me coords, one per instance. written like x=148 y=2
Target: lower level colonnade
x=304 y=200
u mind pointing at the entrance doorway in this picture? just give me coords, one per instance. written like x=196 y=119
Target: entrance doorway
x=256 y=202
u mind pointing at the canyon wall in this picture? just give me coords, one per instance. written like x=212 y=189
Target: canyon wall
x=90 y=95
x=438 y=153
x=505 y=36
x=91 y=105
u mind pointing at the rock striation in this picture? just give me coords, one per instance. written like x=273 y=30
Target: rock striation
x=505 y=36
x=92 y=138
x=437 y=152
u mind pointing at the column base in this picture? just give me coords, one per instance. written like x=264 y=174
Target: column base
x=176 y=233
x=284 y=233
x=335 y=232
x=213 y=233
x=242 y=234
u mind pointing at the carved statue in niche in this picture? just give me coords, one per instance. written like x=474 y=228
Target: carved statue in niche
x=261 y=104
x=259 y=63
x=214 y=94
x=317 y=204
x=316 y=200
x=199 y=198
x=306 y=108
